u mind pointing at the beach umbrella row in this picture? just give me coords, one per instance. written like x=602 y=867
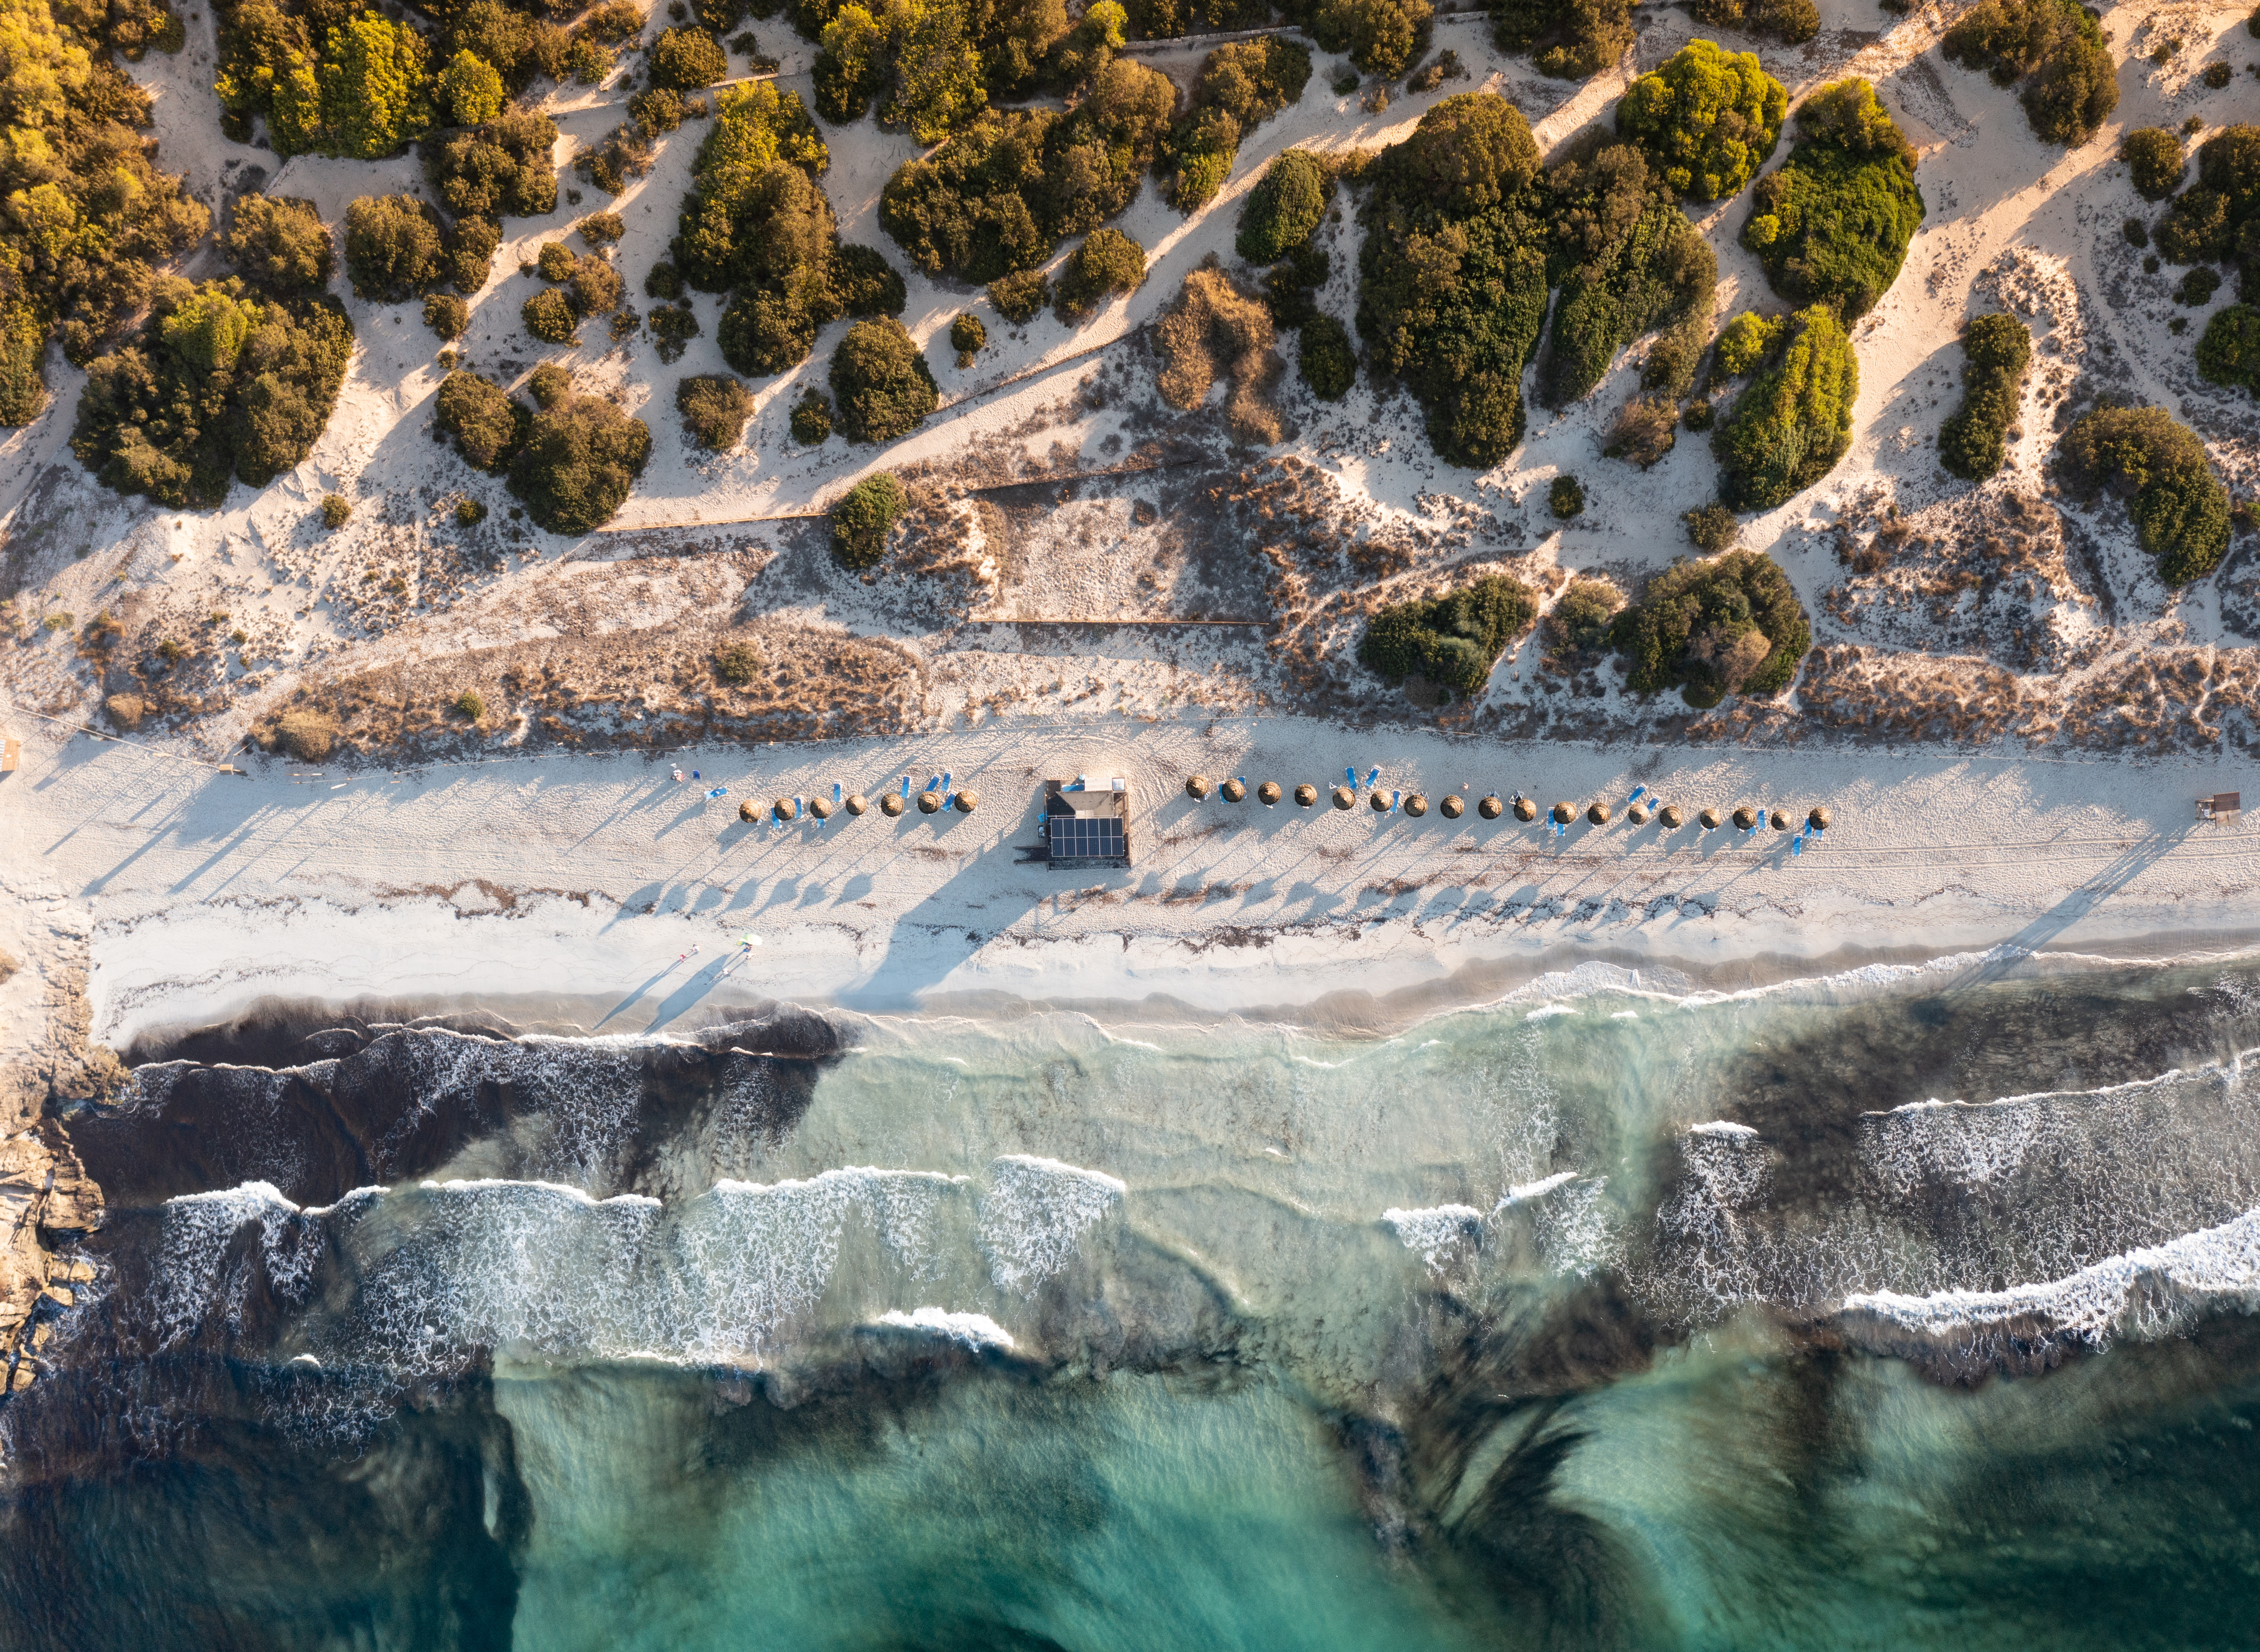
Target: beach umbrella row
x=965 y=800
x=1638 y=812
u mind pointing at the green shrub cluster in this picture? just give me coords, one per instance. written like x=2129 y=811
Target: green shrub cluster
x=757 y=224
x=220 y=380
x=487 y=424
x=1746 y=341
x=446 y=315
x=1240 y=86
x=2217 y=218
x=1325 y=359
x=1996 y=350
x=1287 y=203
x=1794 y=422
x=501 y=169
x=1165 y=19
x=1565 y=498
x=672 y=326
x=397 y=248
x=1582 y=618
x=1452 y=282
x=326 y=78
x=1382 y=37
x=1833 y=222
x=1711 y=528
x=2153 y=157
x=715 y=408
x=863 y=517
x=337 y=510
x=2055 y=48
x=2161 y=468
x=927 y=58
x=811 y=417
x=551 y=382
x=578 y=462
x=1108 y=262
x=968 y=336
x=1452 y=640
x=520 y=45
x=1568 y=39
x=685 y=60
x=1627 y=261
x=280 y=243
x=1002 y=194
x=469 y=90
x=90 y=218
x=1709 y=118
x=1790 y=22
x=2229 y=353
x=880 y=382
x=1728 y=624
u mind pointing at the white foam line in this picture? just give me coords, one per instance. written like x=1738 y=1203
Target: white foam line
x=974 y=1330
x=2228 y=1070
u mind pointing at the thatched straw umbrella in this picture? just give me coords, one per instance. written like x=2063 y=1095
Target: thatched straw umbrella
x=747 y=812
x=1525 y=810
x=1345 y=799
x=891 y=806
x=1491 y=808
x=1745 y=818
x=1197 y=787
x=1709 y=818
x=857 y=803
x=1780 y=821
x=1416 y=805
x=782 y=808
x=1563 y=813
x=929 y=803
x=821 y=808
x=1380 y=802
x=1671 y=815
x=967 y=800
x=1305 y=795
x=1233 y=792
x=1598 y=814
x=1453 y=808
x=1637 y=815
x=1268 y=794
x=1820 y=817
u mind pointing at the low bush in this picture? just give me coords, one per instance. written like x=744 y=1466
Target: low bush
x=308 y=735
x=863 y=517
x=1568 y=39
x=1452 y=640
x=2161 y=468
x=487 y=425
x=126 y=710
x=685 y=60
x=1382 y=37
x=549 y=384
x=1108 y=262
x=1745 y=342
x=337 y=510
x=280 y=243
x=1697 y=415
x=1286 y=205
x=1708 y=117
x=1673 y=360
x=968 y=336
x=217 y=383
x=880 y=382
x=1580 y=620
x=578 y=462
x=812 y=418
x=2055 y=48
x=1832 y=223
x=549 y=316
x=395 y=248
x=1794 y=422
x=1021 y=298
x=1324 y=358
x=1728 y=624
x=470 y=512
x=1996 y=350
x=601 y=229
x=555 y=262
x=1646 y=429
x=2154 y=158
x=2214 y=219
x=1790 y=22
x=672 y=326
x=1240 y=85
x=2229 y=353
x=715 y=409
x=1711 y=528
x=663 y=280
x=470 y=705
x=1213 y=330
x=446 y=315
x=502 y=169
x=738 y=663
x=1565 y=499
x=2198 y=286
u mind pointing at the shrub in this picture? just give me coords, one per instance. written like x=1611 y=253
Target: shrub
x=548 y=316
x=2198 y=286
x=673 y=326
x=470 y=91
x=1213 y=329
x=1746 y=341
x=1565 y=498
x=812 y=418
x=1834 y=222
x=1020 y=298
x=470 y=512
x=279 y=242
x=1239 y=86
x=880 y=382
x=2217 y=75
x=555 y=262
x=2209 y=220
x=1107 y=262
x=1794 y=422
x=754 y=216
x=1568 y=39
x=2136 y=233
x=549 y=385
x=394 y=247
x=1326 y=362
x=1285 y=205
x=2055 y=48
x=862 y=519
x=470 y=706
x=1382 y=37
x=1581 y=618
x=1699 y=414
x=2154 y=156
x=1452 y=640
x=967 y=336
x=1711 y=528
x=579 y=459
x=715 y=408
x=1710 y=118
x=364 y=96
x=336 y=510
x=601 y=229
x=2229 y=353
x=864 y=283
x=501 y=170
x=216 y=383
x=1646 y=429
x=594 y=287
x=2162 y=470
x=1997 y=349
x=1669 y=369
x=685 y=60
x=1634 y=262
x=1471 y=151
x=664 y=281
x=1790 y=22
x=447 y=316
x=1729 y=625
x=486 y=423
x=308 y=735
x=738 y=663
x=126 y=710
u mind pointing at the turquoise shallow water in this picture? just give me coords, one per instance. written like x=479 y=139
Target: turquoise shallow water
x=1905 y=1309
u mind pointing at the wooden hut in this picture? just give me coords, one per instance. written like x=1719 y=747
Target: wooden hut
x=1820 y=817
x=891 y=806
x=1672 y=815
x=1709 y=820
x=965 y=800
x=1233 y=792
x=857 y=803
x=1086 y=828
x=1745 y=818
x=929 y=803
x=1565 y=813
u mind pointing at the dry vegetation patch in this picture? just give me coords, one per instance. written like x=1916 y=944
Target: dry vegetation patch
x=1213 y=330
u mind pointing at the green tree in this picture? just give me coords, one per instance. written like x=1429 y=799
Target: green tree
x=715 y=408
x=1730 y=624
x=851 y=69
x=1285 y=205
x=1710 y=117
x=580 y=460
x=394 y=247
x=1834 y=221
x=374 y=88
x=2154 y=156
x=549 y=316
x=1794 y=422
x=880 y=382
x=2229 y=353
x=1107 y=262
x=685 y=60
x=486 y=423
x=280 y=243
x=1996 y=350
x=862 y=518
x=937 y=74
x=2055 y=48
x=2162 y=471
x=470 y=91
x=1568 y=39
x=1453 y=641
x=1382 y=37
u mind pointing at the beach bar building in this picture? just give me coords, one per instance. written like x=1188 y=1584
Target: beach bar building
x=1087 y=823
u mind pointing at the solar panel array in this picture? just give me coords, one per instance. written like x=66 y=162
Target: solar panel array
x=1073 y=838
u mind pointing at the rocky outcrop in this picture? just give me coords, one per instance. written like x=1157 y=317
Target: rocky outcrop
x=48 y=1061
